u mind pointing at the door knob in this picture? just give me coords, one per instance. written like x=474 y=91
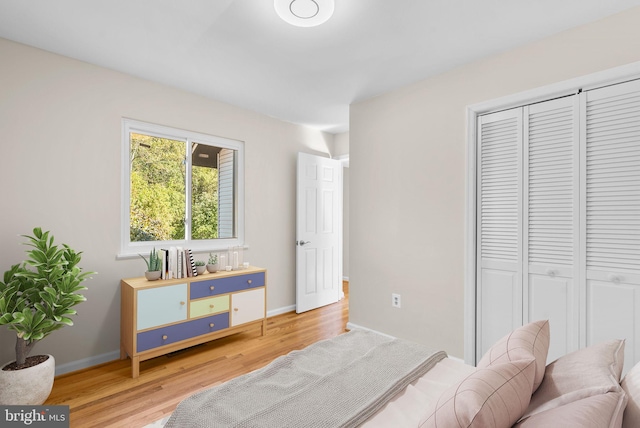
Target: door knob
x=616 y=279
x=301 y=243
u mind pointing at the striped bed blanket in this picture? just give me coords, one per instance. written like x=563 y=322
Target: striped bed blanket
x=338 y=382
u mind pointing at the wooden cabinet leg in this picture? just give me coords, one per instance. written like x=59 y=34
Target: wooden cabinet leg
x=264 y=327
x=123 y=353
x=135 y=367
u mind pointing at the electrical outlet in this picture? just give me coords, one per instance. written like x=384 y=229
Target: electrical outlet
x=395 y=300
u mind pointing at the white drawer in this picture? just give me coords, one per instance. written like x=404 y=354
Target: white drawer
x=247 y=306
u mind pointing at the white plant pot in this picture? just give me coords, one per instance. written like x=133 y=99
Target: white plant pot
x=30 y=386
x=212 y=267
x=201 y=269
x=152 y=275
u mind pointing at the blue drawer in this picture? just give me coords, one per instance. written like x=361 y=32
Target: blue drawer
x=211 y=287
x=177 y=332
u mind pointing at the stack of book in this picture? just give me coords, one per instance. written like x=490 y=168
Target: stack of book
x=177 y=262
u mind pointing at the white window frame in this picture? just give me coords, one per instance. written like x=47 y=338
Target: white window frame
x=130 y=249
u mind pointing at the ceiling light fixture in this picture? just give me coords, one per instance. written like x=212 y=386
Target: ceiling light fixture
x=304 y=13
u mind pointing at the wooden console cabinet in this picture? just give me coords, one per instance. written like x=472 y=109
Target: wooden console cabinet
x=158 y=317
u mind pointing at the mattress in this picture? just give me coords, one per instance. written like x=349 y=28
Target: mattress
x=412 y=406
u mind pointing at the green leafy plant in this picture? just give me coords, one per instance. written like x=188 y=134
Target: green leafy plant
x=199 y=263
x=213 y=259
x=154 y=263
x=37 y=296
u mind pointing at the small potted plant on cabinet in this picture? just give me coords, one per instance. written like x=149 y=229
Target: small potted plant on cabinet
x=36 y=298
x=154 y=265
x=200 y=267
x=212 y=266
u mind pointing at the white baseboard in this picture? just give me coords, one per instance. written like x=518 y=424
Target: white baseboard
x=279 y=311
x=352 y=326
x=86 y=362
x=460 y=360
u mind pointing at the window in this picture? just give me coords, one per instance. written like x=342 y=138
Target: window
x=180 y=188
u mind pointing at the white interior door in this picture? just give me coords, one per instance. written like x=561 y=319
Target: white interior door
x=611 y=215
x=551 y=220
x=318 y=232
x=499 y=251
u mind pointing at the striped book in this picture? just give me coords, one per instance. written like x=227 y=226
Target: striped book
x=192 y=264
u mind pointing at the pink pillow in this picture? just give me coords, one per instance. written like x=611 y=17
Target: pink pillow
x=597 y=411
x=631 y=385
x=495 y=397
x=584 y=373
x=531 y=340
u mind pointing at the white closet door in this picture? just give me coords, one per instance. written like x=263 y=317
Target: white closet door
x=499 y=250
x=611 y=201
x=551 y=209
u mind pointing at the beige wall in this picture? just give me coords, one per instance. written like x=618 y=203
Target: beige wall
x=345 y=223
x=340 y=150
x=407 y=178
x=340 y=145
x=60 y=127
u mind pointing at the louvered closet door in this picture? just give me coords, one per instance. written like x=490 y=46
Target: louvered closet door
x=499 y=198
x=551 y=209
x=612 y=216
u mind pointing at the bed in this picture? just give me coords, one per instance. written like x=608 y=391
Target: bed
x=366 y=379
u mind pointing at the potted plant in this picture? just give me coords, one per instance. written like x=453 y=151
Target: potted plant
x=36 y=298
x=200 y=267
x=154 y=265
x=212 y=265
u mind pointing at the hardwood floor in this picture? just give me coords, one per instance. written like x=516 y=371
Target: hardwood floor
x=107 y=396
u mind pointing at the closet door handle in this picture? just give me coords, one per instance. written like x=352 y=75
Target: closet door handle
x=616 y=279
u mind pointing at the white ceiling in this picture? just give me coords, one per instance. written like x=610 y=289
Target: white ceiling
x=240 y=52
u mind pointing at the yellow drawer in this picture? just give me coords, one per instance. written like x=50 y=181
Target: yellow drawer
x=210 y=306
